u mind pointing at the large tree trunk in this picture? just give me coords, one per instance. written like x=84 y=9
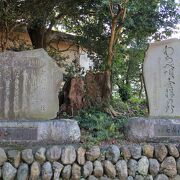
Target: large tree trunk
x=37 y=36
x=108 y=82
x=107 y=87
x=116 y=28
x=71 y=99
x=4 y=40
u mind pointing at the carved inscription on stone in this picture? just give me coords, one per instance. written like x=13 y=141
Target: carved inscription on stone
x=29 y=85
x=161 y=74
x=164 y=130
x=169 y=69
x=16 y=134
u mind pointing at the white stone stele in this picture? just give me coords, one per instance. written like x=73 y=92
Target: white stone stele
x=162 y=78
x=29 y=85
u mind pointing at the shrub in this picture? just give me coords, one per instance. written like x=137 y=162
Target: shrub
x=97 y=126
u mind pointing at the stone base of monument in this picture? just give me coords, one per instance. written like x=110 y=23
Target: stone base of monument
x=153 y=130
x=43 y=131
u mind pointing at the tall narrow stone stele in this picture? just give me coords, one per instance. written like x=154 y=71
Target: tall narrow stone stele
x=29 y=85
x=162 y=78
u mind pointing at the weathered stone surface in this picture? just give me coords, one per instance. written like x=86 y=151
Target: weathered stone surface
x=178 y=165
x=153 y=129
x=130 y=178
x=161 y=177
x=139 y=177
x=105 y=178
x=23 y=171
x=81 y=155
x=148 y=177
x=53 y=153
x=168 y=166
x=132 y=167
x=40 y=155
x=160 y=152
x=102 y=156
x=41 y=131
x=3 y=156
x=148 y=150
x=121 y=169
x=153 y=167
x=93 y=153
x=143 y=166
x=76 y=172
x=173 y=151
x=91 y=177
x=35 y=170
x=57 y=168
x=29 y=82
x=27 y=156
x=109 y=169
x=113 y=153
x=68 y=155
x=87 y=169
x=66 y=172
x=14 y=157
x=177 y=177
x=162 y=78
x=47 y=171
x=0 y=172
x=8 y=171
x=125 y=152
x=98 y=169
x=136 y=151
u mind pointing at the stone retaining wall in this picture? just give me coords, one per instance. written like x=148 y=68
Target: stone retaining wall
x=145 y=162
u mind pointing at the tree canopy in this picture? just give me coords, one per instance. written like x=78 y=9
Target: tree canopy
x=114 y=32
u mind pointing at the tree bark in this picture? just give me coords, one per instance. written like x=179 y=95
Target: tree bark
x=37 y=36
x=116 y=28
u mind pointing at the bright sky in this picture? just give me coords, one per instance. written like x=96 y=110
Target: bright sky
x=177 y=34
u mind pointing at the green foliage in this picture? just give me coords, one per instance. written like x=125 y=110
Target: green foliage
x=155 y=19
x=134 y=107
x=10 y=12
x=71 y=69
x=97 y=126
x=74 y=70
x=57 y=56
x=138 y=107
x=125 y=92
x=127 y=68
x=144 y=19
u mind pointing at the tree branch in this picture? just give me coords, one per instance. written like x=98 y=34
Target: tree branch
x=111 y=8
x=120 y=27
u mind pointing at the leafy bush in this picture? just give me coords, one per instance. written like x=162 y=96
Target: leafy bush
x=138 y=106
x=98 y=126
x=133 y=107
x=125 y=92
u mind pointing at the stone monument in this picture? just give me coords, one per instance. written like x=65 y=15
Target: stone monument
x=29 y=86
x=161 y=70
x=161 y=75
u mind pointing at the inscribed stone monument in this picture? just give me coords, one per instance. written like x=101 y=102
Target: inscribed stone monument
x=162 y=78
x=162 y=81
x=29 y=85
